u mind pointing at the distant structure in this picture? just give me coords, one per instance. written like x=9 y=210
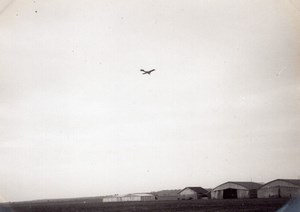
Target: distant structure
x=129 y=197
x=166 y=194
x=165 y=198
x=191 y=193
x=138 y=197
x=235 y=190
x=280 y=188
x=113 y=198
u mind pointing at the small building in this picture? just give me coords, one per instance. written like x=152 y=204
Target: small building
x=164 y=195
x=235 y=190
x=138 y=197
x=129 y=197
x=280 y=188
x=164 y=198
x=191 y=193
x=114 y=198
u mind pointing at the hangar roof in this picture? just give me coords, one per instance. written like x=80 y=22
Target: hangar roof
x=246 y=185
x=249 y=185
x=292 y=181
x=198 y=190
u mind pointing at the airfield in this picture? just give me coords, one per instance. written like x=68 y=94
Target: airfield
x=87 y=205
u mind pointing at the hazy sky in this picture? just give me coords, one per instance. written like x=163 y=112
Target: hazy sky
x=77 y=117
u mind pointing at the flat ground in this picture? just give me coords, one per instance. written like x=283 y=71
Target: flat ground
x=162 y=206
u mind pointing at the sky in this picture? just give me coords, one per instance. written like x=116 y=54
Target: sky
x=78 y=118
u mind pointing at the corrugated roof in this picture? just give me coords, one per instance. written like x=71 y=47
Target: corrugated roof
x=198 y=190
x=247 y=185
x=292 y=181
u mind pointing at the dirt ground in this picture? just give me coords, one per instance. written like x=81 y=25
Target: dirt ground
x=161 y=206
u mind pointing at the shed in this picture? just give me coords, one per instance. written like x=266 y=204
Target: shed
x=190 y=193
x=114 y=198
x=138 y=197
x=164 y=198
x=129 y=197
x=166 y=194
x=285 y=188
x=235 y=190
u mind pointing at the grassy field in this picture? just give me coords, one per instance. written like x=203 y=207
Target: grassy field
x=162 y=206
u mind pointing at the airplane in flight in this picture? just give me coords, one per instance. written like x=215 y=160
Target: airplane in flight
x=147 y=72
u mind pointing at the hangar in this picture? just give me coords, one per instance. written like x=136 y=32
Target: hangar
x=138 y=197
x=114 y=198
x=235 y=190
x=129 y=198
x=280 y=188
x=190 y=193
